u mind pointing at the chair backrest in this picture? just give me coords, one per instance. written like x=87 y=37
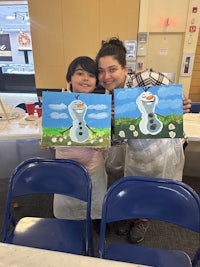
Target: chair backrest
x=195 y=107
x=153 y=198
x=59 y=176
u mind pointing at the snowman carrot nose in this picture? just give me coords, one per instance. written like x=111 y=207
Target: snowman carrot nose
x=149 y=97
x=80 y=105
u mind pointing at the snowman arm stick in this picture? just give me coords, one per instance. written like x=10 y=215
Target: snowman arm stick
x=159 y=115
x=66 y=130
x=90 y=129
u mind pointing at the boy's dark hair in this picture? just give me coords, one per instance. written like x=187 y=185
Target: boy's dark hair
x=86 y=63
x=115 y=48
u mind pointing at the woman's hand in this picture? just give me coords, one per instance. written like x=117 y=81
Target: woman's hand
x=186 y=104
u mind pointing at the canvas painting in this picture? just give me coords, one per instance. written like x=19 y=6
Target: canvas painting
x=149 y=112
x=76 y=119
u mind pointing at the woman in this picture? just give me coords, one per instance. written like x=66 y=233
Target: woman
x=163 y=158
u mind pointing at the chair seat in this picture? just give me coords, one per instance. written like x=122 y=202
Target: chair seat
x=53 y=234
x=145 y=255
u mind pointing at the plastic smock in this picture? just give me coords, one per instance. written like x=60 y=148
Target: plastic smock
x=115 y=155
x=92 y=159
x=162 y=158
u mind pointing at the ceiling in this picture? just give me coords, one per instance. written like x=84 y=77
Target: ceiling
x=19 y=11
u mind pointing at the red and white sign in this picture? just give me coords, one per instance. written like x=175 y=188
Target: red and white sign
x=192 y=28
x=24 y=39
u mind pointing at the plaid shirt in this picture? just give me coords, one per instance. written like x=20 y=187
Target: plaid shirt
x=146 y=78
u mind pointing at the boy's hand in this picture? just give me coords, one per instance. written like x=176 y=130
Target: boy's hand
x=45 y=147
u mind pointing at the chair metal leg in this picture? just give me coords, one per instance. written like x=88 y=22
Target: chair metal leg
x=196 y=258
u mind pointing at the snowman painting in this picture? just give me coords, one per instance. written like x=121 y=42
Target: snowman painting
x=79 y=131
x=76 y=119
x=149 y=123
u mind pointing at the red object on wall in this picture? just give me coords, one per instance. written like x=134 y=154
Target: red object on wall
x=194 y=9
x=24 y=39
x=192 y=28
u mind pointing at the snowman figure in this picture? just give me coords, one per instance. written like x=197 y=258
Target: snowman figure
x=146 y=103
x=79 y=131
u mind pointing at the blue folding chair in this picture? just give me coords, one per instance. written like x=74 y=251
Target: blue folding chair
x=158 y=199
x=54 y=176
x=195 y=107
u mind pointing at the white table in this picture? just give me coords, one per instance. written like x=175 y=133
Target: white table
x=18 y=256
x=192 y=152
x=19 y=128
x=191 y=125
x=17 y=98
x=19 y=141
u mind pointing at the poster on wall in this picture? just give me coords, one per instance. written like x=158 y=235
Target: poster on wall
x=5 y=48
x=131 y=48
x=187 y=65
x=149 y=112
x=76 y=119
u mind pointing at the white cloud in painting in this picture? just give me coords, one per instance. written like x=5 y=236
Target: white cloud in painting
x=98 y=116
x=58 y=106
x=56 y=115
x=97 y=107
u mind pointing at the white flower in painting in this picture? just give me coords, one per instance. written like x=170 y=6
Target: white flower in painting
x=135 y=133
x=69 y=143
x=131 y=127
x=171 y=126
x=100 y=140
x=92 y=141
x=122 y=134
x=65 y=137
x=54 y=139
x=172 y=134
x=60 y=139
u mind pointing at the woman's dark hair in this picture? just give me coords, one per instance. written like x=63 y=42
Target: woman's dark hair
x=86 y=63
x=115 y=48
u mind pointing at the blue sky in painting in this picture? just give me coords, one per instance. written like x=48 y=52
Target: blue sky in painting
x=169 y=100
x=55 y=112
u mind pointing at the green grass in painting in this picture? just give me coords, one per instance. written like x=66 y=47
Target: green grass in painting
x=53 y=137
x=172 y=125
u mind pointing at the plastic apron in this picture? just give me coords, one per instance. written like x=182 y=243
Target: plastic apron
x=161 y=158
x=69 y=208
